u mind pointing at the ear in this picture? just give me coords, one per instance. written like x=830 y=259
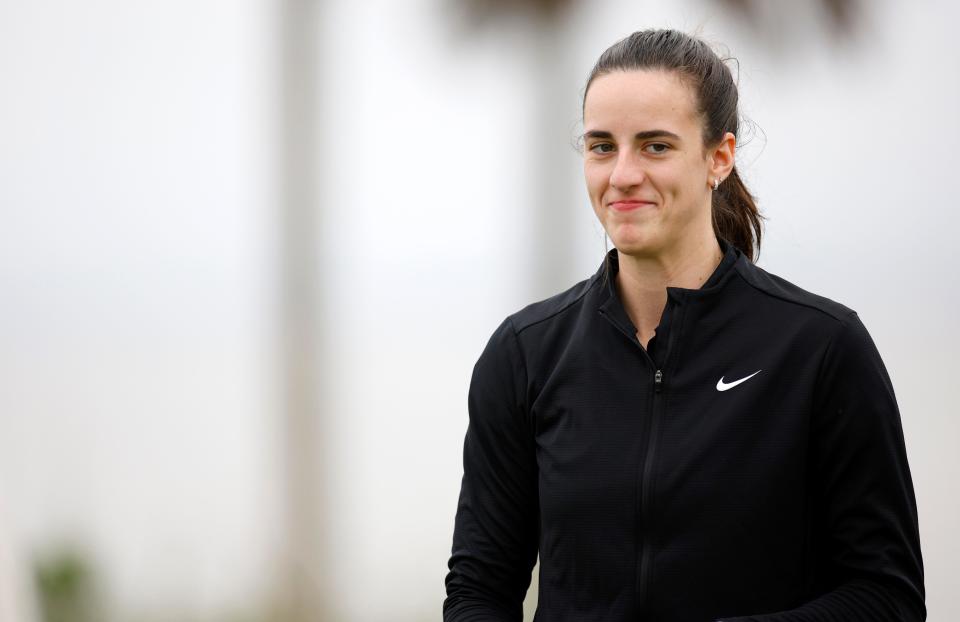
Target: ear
x=721 y=157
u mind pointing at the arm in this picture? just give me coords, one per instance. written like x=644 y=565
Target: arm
x=867 y=545
x=496 y=531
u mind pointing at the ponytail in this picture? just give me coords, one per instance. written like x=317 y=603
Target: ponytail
x=736 y=218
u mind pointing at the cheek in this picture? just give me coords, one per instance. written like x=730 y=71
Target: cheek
x=680 y=180
x=596 y=179
x=693 y=172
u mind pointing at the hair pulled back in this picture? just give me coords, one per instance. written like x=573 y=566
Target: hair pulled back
x=734 y=213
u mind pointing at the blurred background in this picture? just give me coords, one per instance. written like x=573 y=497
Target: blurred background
x=250 y=251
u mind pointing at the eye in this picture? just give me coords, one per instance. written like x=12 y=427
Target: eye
x=659 y=148
x=602 y=148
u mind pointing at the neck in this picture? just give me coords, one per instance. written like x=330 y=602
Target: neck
x=687 y=265
x=642 y=280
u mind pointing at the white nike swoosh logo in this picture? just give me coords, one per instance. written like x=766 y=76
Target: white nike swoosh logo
x=722 y=386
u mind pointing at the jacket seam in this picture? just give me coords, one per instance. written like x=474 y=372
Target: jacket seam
x=576 y=300
x=531 y=427
x=809 y=557
x=526 y=374
x=762 y=290
x=826 y=354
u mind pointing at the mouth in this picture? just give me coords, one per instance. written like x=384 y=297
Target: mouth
x=629 y=205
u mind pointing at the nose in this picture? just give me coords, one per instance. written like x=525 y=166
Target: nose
x=627 y=171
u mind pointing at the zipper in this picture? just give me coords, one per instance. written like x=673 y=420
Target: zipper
x=645 y=474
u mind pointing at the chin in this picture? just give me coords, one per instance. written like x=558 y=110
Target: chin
x=634 y=242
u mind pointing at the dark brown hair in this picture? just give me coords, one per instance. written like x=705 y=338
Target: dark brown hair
x=735 y=215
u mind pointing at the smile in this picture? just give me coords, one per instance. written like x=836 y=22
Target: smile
x=626 y=206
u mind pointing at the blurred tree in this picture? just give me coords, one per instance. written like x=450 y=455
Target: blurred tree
x=842 y=15
x=305 y=570
x=65 y=587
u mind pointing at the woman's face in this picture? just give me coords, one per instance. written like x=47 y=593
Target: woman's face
x=648 y=175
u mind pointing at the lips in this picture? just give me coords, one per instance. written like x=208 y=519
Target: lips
x=628 y=205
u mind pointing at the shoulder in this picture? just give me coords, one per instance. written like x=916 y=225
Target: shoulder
x=505 y=335
x=534 y=331
x=778 y=288
x=555 y=306
x=845 y=340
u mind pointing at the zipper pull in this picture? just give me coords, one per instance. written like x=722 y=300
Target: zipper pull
x=658 y=380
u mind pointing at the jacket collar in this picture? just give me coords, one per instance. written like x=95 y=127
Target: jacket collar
x=609 y=299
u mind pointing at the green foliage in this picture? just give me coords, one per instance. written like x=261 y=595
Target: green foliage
x=65 y=587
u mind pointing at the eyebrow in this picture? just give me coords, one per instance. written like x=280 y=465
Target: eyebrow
x=638 y=136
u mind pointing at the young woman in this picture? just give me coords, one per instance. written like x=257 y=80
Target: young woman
x=683 y=437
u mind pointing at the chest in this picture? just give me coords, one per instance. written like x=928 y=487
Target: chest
x=728 y=421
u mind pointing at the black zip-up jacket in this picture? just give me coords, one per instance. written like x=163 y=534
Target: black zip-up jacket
x=749 y=466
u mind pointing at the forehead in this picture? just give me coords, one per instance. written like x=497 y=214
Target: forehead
x=640 y=99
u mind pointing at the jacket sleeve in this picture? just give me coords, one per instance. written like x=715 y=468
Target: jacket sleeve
x=866 y=537
x=496 y=530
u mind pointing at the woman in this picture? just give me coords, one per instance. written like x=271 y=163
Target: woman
x=682 y=437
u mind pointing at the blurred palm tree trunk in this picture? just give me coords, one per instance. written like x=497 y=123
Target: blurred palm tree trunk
x=555 y=197
x=304 y=592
